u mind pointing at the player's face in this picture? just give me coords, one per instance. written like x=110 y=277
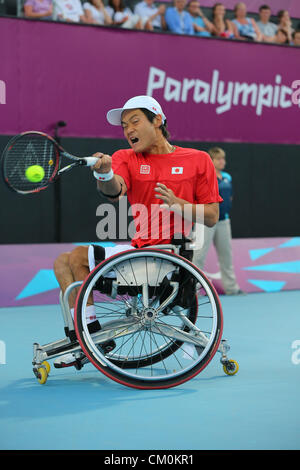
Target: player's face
x=138 y=130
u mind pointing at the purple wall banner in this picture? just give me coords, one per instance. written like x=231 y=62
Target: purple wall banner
x=210 y=90
x=261 y=265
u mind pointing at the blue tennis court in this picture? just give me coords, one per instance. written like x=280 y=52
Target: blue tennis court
x=258 y=408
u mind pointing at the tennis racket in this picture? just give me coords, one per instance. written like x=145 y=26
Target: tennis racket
x=36 y=148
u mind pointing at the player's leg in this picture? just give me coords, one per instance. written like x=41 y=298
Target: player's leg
x=75 y=266
x=63 y=272
x=71 y=267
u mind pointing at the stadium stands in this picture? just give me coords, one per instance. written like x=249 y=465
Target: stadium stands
x=15 y=8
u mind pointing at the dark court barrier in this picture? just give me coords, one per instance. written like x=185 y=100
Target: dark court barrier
x=265 y=203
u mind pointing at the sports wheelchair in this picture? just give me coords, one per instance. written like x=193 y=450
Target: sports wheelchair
x=161 y=311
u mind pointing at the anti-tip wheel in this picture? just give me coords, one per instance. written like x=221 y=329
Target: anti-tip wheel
x=230 y=367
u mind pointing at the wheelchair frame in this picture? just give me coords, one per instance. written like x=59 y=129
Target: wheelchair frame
x=70 y=344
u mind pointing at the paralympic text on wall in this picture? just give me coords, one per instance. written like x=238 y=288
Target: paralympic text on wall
x=224 y=95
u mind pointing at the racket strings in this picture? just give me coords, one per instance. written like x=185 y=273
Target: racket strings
x=25 y=152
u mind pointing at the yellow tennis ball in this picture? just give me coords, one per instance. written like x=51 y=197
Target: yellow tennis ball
x=35 y=173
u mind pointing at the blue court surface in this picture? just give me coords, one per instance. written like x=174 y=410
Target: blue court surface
x=257 y=409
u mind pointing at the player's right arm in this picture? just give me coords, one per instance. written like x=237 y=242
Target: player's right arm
x=116 y=187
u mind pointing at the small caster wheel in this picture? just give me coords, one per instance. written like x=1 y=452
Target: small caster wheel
x=42 y=375
x=47 y=366
x=230 y=367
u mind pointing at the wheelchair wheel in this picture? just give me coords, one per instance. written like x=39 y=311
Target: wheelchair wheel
x=160 y=310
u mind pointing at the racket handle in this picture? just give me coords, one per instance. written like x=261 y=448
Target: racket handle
x=90 y=161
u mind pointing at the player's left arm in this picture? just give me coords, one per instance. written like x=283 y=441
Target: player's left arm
x=198 y=213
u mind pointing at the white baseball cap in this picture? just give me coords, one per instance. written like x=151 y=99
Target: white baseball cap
x=137 y=102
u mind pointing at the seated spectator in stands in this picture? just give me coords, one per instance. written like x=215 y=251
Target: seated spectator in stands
x=247 y=27
x=123 y=16
x=68 y=10
x=296 y=38
x=267 y=28
x=178 y=20
x=152 y=17
x=222 y=27
x=202 y=26
x=281 y=37
x=95 y=13
x=41 y=9
x=284 y=22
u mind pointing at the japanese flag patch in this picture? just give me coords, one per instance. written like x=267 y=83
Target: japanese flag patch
x=177 y=170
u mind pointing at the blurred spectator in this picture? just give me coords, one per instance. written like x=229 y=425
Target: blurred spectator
x=247 y=27
x=95 y=13
x=284 y=22
x=267 y=28
x=220 y=234
x=152 y=17
x=222 y=27
x=281 y=37
x=202 y=26
x=123 y=16
x=178 y=20
x=296 y=38
x=68 y=10
x=41 y=9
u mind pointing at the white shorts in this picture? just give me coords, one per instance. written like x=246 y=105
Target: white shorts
x=108 y=252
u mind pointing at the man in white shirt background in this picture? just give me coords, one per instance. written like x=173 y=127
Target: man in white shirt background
x=152 y=16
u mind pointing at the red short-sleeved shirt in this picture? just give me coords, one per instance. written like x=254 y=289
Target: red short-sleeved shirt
x=188 y=172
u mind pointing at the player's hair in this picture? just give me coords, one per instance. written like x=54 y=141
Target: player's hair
x=214 y=151
x=150 y=116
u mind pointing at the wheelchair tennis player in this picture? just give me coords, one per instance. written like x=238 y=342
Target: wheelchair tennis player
x=154 y=173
